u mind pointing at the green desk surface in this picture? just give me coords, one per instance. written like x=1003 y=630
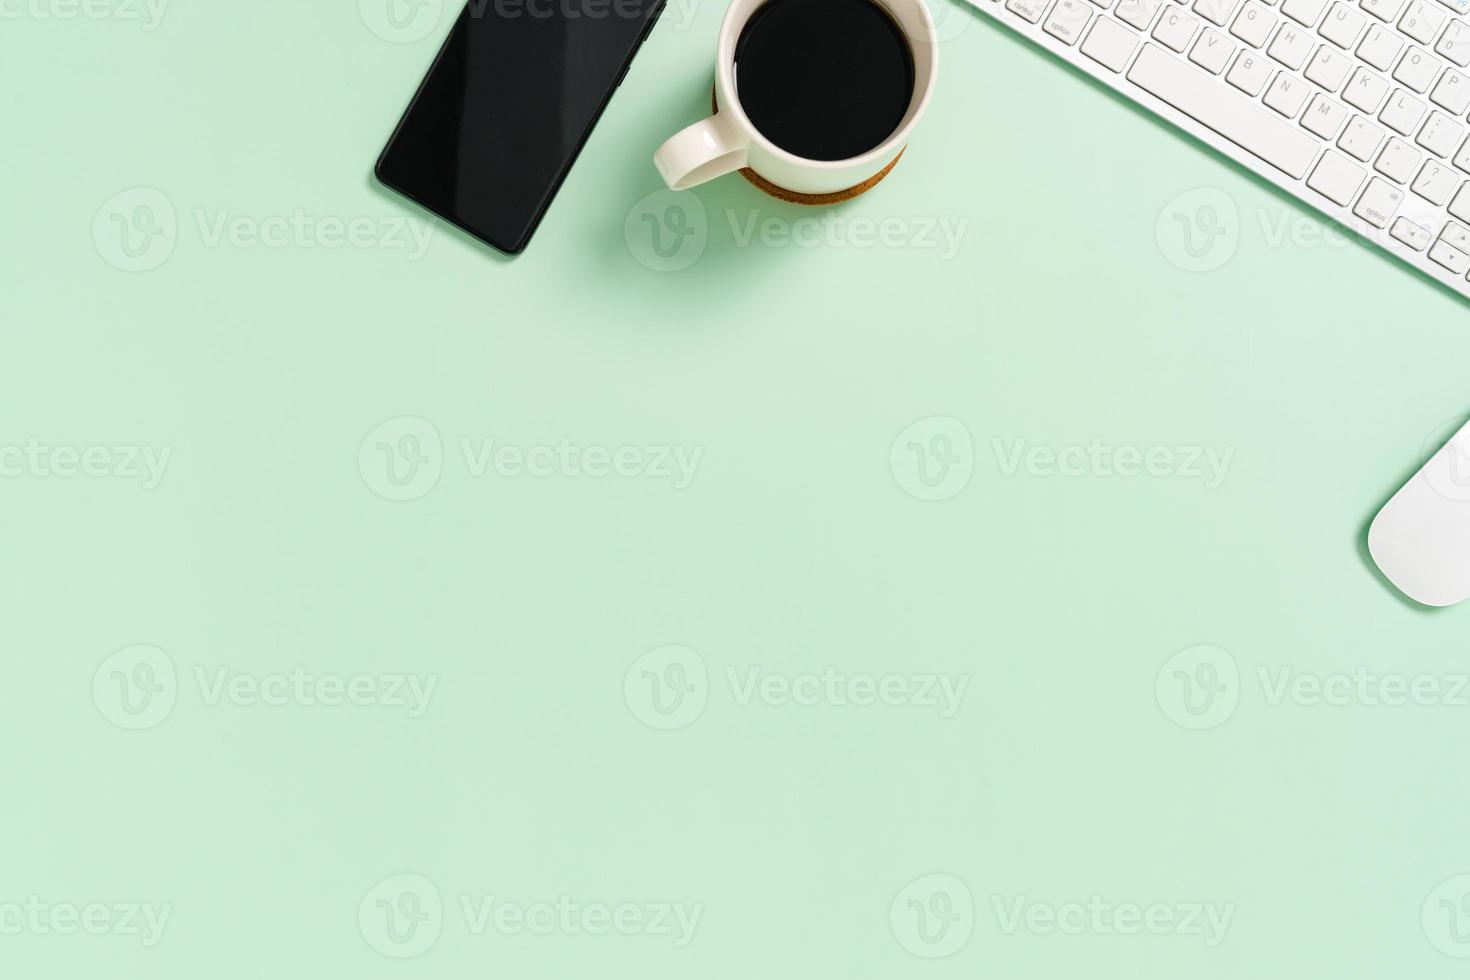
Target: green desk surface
x=784 y=599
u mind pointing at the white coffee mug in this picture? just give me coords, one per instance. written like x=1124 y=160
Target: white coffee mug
x=728 y=141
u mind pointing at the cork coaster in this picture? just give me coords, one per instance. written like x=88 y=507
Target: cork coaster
x=813 y=200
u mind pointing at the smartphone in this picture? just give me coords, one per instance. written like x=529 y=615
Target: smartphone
x=506 y=107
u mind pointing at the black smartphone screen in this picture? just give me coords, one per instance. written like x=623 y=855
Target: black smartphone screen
x=506 y=107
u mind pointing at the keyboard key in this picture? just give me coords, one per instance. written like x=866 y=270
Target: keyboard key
x=1304 y=12
x=1212 y=51
x=1413 y=235
x=1454 y=43
x=1452 y=93
x=1378 y=203
x=1217 y=12
x=1460 y=206
x=1175 y=28
x=1384 y=10
x=1435 y=183
x=1450 y=257
x=1342 y=26
x=1440 y=134
x=1417 y=69
x=1109 y=44
x=1291 y=46
x=1379 y=47
x=1398 y=161
x=1253 y=24
x=1421 y=21
x=1031 y=10
x=1365 y=90
x=1324 y=117
x=1329 y=67
x=1287 y=94
x=1067 y=21
x=1456 y=235
x=1200 y=96
x=1458 y=6
x=1249 y=73
x=1138 y=13
x=1402 y=113
x=1360 y=138
x=1335 y=179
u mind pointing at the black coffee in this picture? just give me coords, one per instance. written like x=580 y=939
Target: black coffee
x=824 y=79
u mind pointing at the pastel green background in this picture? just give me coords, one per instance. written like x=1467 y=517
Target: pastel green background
x=1064 y=316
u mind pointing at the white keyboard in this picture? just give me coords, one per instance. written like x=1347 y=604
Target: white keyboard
x=1357 y=108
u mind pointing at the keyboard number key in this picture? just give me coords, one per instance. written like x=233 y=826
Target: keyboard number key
x=1454 y=43
x=1384 y=10
x=1249 y=73
x=1335 y=178
x=1421 y=21
x=1212 y=51
x=1378 y=203
x=1109 y=44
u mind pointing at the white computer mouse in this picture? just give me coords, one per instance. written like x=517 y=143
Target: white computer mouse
x=1421 y=537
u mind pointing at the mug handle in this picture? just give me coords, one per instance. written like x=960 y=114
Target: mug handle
x=710 y=148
